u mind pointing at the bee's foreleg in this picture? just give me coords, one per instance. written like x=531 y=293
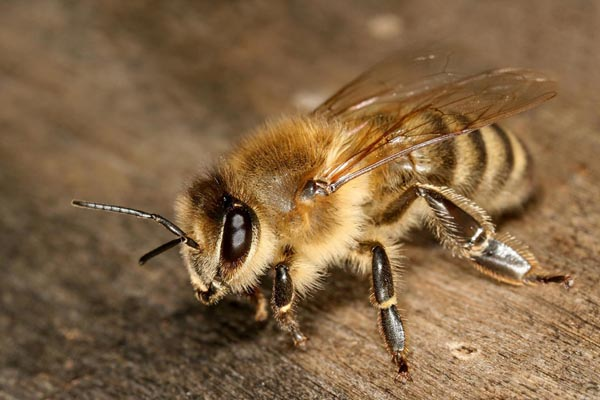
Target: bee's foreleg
x=388 y=320
x=259 y=300
x=468 y=232
x=283 y=304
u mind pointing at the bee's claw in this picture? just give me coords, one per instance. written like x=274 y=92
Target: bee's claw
x=299 y=340
x=403 y=375
x=566 y=280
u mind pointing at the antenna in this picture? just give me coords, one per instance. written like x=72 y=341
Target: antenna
x=170 y=226
x=159 y=250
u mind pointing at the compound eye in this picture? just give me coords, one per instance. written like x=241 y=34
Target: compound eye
x=237 y=235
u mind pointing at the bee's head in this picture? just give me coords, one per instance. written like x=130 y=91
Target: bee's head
x=227 y=230
x=220 y=236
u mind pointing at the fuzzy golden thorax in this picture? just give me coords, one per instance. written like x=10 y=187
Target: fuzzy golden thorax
x=264 y=176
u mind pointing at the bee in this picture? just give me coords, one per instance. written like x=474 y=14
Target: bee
x=407 y=144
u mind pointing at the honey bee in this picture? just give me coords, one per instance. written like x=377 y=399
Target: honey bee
x=406 y=144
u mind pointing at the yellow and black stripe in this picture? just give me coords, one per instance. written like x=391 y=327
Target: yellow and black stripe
x=489 y=165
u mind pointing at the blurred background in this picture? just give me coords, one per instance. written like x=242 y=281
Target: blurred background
x=124 y=102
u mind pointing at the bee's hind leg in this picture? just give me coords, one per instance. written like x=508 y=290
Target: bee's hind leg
x=283 y=304
x=468 y=232
x=388 y=319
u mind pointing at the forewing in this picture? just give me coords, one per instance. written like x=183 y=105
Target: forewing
x=428 y=112
x=401 y=75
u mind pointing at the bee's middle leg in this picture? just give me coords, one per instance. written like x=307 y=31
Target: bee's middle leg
x=283 y=304
x=388 y=319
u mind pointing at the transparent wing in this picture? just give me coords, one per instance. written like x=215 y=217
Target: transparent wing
x=400 y=76
x=388 y=118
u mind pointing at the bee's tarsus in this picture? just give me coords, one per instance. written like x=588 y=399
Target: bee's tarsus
x=566 y=280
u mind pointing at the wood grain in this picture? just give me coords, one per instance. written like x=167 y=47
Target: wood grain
x=125 y=102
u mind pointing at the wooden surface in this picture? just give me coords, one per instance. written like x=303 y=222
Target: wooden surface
x=125 y=101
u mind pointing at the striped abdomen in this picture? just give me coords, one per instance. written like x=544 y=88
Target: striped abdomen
x=490 y=166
